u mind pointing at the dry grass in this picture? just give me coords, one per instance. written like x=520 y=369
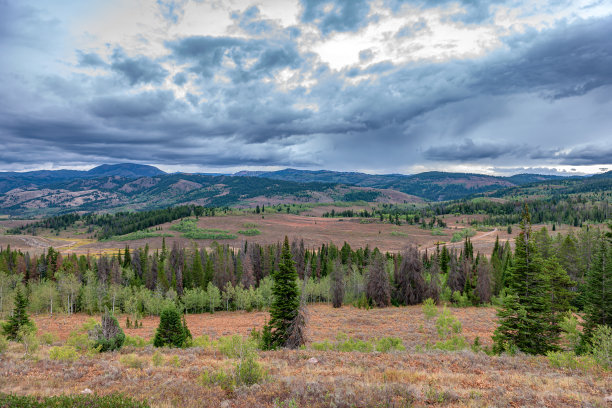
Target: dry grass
x=397 y=379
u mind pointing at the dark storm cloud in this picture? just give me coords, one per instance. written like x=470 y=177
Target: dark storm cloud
x=132 y=106
x=336 y=15
x=140 y=69
x=207 y=54
x=470 y=151
x=578 y=156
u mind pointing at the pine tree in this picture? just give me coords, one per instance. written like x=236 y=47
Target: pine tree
x=19 y=318
x=526 y=318
x=337 y=284
x=598 y=294
x=286 y=300
x=172 y=331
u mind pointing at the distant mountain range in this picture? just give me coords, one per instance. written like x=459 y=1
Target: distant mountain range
x=134 y=186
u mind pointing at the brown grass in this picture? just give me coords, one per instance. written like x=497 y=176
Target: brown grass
x=398 y=379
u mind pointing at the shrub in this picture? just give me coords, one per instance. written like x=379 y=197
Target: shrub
x=235 y=346
x=386 y=344
x=447 y=324
x=453 y=343
x=71 y=401
x=157 y=359
x=171 y=330
x=79 y=341
x=461 y=300
x=248 y=371
x=3 y=344
x=220 y=378
x=63 y=353
x=201 y=341
x=430 y=310
x=250 y=232
x=108 y=336
x=135 y=341
x=569 y=360
x=27 y=336
x=48 y=338
x=571 y=333
x=132 y=361
x=174 y=361
x=601 y=346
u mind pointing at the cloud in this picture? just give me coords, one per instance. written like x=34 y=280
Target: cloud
x=589 y=155
x=137 y=70
x=336 y=15
x=133 y=106
x=90 y=59
x=470 y=151
x=172 y=10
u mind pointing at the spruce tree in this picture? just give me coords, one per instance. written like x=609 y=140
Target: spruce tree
x=337 y=284
x=598 y=293
x=172 y=331
x=286 y=299
x=378 y=289
x=526 y=317
x=19 y=318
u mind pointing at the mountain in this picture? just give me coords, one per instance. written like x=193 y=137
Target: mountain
x=128 y=170
x=118 y=193
x=434 y=186
x=41 y=178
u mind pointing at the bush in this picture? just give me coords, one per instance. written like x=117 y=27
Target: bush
x=171 y=330
x=235 y=346
x=71 y=401
x=135 y=341
x=250 y=232
x=220 y=378
x=447 y=324
x=461 y=300
x=157 y=359
x=601 y=346
x=248 y=371
x=79 y=341
x=132 y=361
x=48 y=338
x=387 y=344
x=27 y=337
x=3 y=344
x=108 y=336
x=201 y=341
x=430 y=310
x=569 y=360
x=571 y=333
x=63 y=353
x=453 y=343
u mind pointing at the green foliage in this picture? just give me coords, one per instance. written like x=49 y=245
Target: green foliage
x=201 y=341
x=19 y=318
x=190 y=229
x=135 y=341
x=461 y=299
x=108 y=336
x=286 y=300
x=48 y=338
x=27 y=336
x=569 y=360
x=453 y=343
x=3 y=344
x=235 y=346
x=132 y=361
x=526 y=319
x=172 y=331
x=396 y=233
x=601 y=346
x=598 y=296
x=157 y=359
x=132 y=236
x=71 y=401
x=447 y=325
x=345 y=343
x=571 y=333
x=463 y=234
x=438 y=232
x=250 y=232
x=63 y=353
x=430 y=310
x=219 y=377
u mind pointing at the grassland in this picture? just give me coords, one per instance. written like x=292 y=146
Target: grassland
x=416 y=376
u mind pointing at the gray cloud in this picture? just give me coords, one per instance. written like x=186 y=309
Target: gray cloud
x=343 y=16
x=137 y=70
x=470 y=151
x=133 y=106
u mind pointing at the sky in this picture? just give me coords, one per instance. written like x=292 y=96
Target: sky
x=382 y=86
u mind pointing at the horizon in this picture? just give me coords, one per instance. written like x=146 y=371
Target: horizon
x=370 y=86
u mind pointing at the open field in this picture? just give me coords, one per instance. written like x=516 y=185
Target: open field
x=343 y=379
x=314 y=229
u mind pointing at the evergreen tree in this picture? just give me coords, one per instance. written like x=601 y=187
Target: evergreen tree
x=337 y=284
x=526 y=317
x=286 y=300
x=19 y=318
x=172 y=331
x=598 y=293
